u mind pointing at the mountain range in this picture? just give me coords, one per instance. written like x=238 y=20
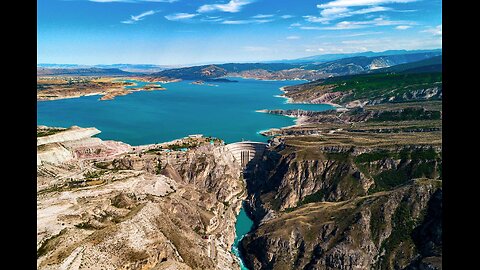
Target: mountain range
x=309 y=68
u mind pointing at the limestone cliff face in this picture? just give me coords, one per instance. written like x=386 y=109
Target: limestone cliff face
x=138 y=209
x=289 y=177
x=71 y=134
x=368 y=232
x=336 y=207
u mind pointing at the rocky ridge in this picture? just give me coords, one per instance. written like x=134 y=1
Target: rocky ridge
x=127 y=207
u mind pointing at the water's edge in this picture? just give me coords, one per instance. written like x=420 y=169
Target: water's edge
x=243 y=226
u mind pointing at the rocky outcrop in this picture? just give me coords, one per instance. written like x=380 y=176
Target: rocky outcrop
x=53 y=153
x=344 y=207
x=75 y=142
x=72 y=134
x=138 y=208
x=290 y=177
x=368 y=232
x=368 y=89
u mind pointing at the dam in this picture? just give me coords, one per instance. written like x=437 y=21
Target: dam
x=247 y=152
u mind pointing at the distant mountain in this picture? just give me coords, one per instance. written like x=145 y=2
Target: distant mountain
x=359 y=64
x=331 y=57
x=142 y=68
x=46 y=65
x=308 y=68
x=289 y=71
x=433 y=64
x=81 y=72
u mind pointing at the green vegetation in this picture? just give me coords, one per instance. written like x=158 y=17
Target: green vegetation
x=47 y=132
x=177 y=147
x=91 y=175
x=389 y=179
x=374 y=156
x=154 y=150
x=314 y=197
x=371 y=86
x=403 y=225
x=407 y=114
x=414 y=163
x=377 y=222
x=341 y=156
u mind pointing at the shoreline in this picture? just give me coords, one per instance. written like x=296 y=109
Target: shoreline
x=110 y=95
x=290 y=100
x=266 y=80
x=298 y=121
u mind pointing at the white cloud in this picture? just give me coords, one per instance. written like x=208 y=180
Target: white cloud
x=293 y=37
x=262 y=16
x=246 y=21
x=212 y=19
x=436 y=31
x=347 y=25
x=180 y=16
x=132 y=1
x=356 y=34
x=333 y=13
x=403 y=27
x=375 y=44
x=311 y=28
x=133 y=19
x=232 y=6
x=358 y=3
x=287 y=16
x=295 y=25
x=370 y=10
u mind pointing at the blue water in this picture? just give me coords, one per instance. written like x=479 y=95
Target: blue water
x=225 y=111
x=242 y=226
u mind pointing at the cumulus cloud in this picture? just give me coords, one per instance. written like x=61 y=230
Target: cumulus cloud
x=403 y=27
x=262 y=16
x=436 y=31
x=132 y=1
x=358 y=3
x=232 y=6
x=348 y=25
x=180 y=16
x=333 y=13
x=245 y=21
x=135 y=18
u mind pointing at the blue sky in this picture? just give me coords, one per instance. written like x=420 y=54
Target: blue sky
x=182 y=32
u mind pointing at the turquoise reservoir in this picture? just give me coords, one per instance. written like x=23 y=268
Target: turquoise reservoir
x=226 y=111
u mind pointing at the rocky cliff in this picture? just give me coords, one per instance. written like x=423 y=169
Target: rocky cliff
x=138 y=208
x=368 y=232
x=369 y=89
x=321 y=205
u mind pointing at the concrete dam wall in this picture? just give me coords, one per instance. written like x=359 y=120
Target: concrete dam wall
x=247 y=152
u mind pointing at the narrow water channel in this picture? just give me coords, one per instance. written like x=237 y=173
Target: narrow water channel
x=242 y=227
